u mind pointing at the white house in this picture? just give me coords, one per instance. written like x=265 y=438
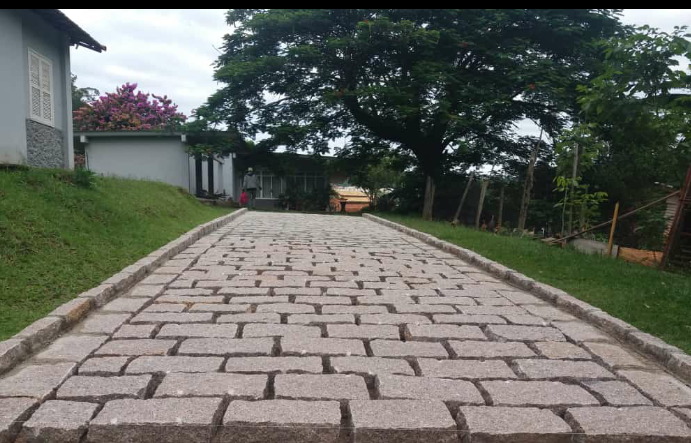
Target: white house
x=156 y=156
x=162 y=156
x=35 y=86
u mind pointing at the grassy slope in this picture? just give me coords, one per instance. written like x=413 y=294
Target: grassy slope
x=57 y=239
x=655 y=302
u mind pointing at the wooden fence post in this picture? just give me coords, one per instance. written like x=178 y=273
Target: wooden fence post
x=483 y=190
x=460 y=205
x=611 y=231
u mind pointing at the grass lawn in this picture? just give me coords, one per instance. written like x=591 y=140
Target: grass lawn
x=58 y=239
x=655 y=302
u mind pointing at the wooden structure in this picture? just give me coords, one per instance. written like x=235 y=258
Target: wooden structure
x=349 y=199
x=678 y=248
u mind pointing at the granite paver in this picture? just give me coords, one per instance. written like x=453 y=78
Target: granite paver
x=283 y=327
x=57 y=421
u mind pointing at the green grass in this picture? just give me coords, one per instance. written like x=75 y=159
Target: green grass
x=655 y=302
x=58 y=239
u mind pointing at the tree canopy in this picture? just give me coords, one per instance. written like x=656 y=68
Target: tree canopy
x=82 y=96
x=639 y=109
x=427 y=81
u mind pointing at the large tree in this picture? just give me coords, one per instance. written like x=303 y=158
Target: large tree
x=425 y=80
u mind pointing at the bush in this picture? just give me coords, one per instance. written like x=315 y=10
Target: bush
x=81 y=177
x=84 y=178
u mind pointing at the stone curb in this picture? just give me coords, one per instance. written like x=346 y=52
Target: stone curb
x=47 y=329
x=671 y=357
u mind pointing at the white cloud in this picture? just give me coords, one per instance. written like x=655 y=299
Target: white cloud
x=166 y=52
x=172 y=51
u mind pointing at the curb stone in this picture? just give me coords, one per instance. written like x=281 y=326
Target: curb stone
x=668 y=356
x=45 y=330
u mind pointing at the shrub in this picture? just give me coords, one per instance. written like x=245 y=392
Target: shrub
x=82 y=177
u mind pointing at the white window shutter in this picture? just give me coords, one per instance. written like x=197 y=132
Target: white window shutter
x=41 y=88
x=46 y=91
x=35 y=85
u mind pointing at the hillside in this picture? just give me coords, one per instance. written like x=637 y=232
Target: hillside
x=58 y=239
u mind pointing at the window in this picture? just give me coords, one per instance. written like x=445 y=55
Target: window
x=41 y=106
x=273 y=186
x=270 y=185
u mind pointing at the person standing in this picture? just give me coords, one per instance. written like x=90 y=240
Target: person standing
x=250 y=184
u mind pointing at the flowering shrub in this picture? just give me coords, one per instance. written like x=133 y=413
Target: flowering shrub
x=125 y=110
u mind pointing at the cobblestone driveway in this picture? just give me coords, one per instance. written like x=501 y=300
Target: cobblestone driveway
x=308 y=328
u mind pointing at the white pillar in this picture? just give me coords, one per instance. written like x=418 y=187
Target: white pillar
x=220 y=185
x=230 y=167
x=68 y=150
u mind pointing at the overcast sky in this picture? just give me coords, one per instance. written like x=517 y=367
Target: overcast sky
x=171 y=51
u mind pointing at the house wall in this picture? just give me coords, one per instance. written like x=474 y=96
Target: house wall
x=14 y=101
x=25 y=141
x=150 y=158
x=223 y=176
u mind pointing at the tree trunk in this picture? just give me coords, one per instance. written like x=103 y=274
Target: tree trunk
x=501 y=207
x=528 y=186
x=465 y=194
x=430 y=187
x=576 y=158
x=481 y=203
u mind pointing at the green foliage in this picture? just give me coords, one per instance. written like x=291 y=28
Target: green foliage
x=84 y=178
x=82 y=96
x=578 y=141
x=438 y=85
x=640 y=108
x=58 y=239
x=318 y=199
x=376 y=178
x=650 y=228
x=585 y=204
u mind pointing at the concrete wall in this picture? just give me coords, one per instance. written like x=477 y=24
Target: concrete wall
x=23 y=141
x=593 y=247
x=151 y=158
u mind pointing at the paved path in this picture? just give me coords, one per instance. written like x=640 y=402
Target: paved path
x=307 y=328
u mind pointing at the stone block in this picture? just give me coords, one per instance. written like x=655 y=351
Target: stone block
x=249 y=387
x=137 y=347
x=515 y=425
x=426 y=388
x=172 y=420
x=320 y=387
x=100 y=389
x=465 y=369
x=226 y=346
x=36 y=381
x=402 y=421
x=321 y=346
x=281 y=421
x=72 y=348
x=274 y=365
x=150 y=364
x=537 y=393
x=202 y=330
x=633 y=424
